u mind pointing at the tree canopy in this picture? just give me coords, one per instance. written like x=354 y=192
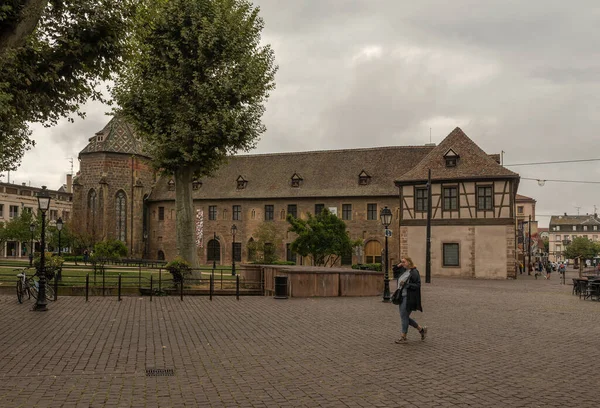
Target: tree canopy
x=323 y=237
x=266 y=239
x=194 y=87
x=581 y=247
x=53 y=56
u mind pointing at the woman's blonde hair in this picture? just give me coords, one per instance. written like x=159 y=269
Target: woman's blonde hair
x=409 y=261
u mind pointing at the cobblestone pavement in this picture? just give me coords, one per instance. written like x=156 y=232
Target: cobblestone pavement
x=521 y=343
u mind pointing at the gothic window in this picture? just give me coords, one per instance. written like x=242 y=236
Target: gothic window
x=91 y=207
x=213 y=253
x=121 y=215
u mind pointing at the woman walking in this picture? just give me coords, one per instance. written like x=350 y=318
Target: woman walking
x=410 y=284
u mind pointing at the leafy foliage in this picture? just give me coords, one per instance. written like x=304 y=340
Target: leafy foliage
x=52 y=264
x=53 y=55
x=323 y=237
x=109 y=249
x=266 y=239
x=581 y=247
x=179 y=268
x=368 y=267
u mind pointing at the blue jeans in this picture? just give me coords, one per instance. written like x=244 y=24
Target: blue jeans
x=405 y=317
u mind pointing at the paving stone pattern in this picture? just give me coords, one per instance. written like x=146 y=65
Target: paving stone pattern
x=521 y=343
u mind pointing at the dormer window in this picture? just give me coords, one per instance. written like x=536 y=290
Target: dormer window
x=241 y=183
x=363 y=178
x=296 y=180
x=171 y=185
x=451 y=158
x=196 y=184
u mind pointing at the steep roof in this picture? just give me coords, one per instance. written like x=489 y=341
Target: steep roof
x=472 y=163
x=574 y=220
x=117 y=137
x=329 y=173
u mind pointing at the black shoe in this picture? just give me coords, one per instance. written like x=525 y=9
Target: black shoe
x=423 y=333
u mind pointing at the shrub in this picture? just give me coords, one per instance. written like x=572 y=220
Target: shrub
x=52 y=264
x=368 y=267
x=179 y=268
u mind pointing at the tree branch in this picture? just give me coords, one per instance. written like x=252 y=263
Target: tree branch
x=15 y=31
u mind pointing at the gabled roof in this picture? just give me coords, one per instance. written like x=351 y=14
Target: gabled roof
x=520 y=197
x=330 y=173
x=473 y=163
x=118 y=136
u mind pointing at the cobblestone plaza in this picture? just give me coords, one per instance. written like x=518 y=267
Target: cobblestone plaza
x=515 y=343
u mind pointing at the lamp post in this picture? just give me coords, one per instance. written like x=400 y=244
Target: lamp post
x=59 y=227
x=386 y=219
x=43 y=205
x=31 y=229
x=233 y=231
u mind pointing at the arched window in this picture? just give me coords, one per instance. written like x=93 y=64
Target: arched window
x=213 y=253
x=92 y=203
x=121 y=215
x=373 y=252
x=161 y=256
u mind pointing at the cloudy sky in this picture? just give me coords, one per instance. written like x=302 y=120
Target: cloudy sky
x=517 y=76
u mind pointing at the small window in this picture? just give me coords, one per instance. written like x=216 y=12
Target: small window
x=269 y=212
x=319 y=208
x=595 y=228
x=212 y=212
x=237 y=212
x=161 y=213
x=290 y=256
x=450 y=198
x=13 y=211
x=346 y=212
x=292 y=209
x=451 y=255
x=574 y=228
x=1 y=210
x=241 y=183
x=364 y=178
x=485 y=199
x=296 y=180
x=371 y=212
x=171 y=185
x=346 y=258
x=520 y=209
x=421 y=199
x=196 y=184
x=557 y=228
x=451 y=158
x=557 y=238
x=585 y=227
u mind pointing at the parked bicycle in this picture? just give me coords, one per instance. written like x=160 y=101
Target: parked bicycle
x=28 y=286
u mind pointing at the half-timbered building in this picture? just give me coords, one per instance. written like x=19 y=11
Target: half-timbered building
x=472 y=211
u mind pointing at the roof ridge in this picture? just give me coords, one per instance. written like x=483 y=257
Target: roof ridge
x=332 y=151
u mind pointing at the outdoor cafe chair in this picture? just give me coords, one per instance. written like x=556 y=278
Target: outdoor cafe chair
x=593 y=289
x=582 y=285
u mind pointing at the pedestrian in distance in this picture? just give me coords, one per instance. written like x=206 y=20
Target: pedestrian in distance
x=410 y=284
x=86 y=256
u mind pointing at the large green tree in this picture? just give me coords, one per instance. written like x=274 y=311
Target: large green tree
x=195 y=87
x=323 y=237
x=53 y=56
x=581 y=248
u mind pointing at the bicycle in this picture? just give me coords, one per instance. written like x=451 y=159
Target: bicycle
x=29 y=286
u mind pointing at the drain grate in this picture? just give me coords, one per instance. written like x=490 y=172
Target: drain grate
x=160 y=372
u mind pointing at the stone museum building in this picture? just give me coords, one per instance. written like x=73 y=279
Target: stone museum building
x=117 y=195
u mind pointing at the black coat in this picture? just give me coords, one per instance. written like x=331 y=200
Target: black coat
x=413 y=291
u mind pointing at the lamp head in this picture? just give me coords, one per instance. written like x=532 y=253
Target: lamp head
x=59 y=224
x=32 y=227
x=43 y=200
x=386 y=216
x=233 y=230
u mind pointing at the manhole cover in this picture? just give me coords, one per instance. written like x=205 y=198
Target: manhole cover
x=160 y=372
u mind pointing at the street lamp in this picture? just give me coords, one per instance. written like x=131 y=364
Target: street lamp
x=31 y=229
x=386 y=219
x=43 y=205
x=233 y=231
x=59 y=227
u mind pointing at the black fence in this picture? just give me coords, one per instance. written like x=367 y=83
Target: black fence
x=114 y=280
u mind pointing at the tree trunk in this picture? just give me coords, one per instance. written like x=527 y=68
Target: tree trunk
x=184 y=208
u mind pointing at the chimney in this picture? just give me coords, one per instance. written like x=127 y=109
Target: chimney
x=69 y=183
